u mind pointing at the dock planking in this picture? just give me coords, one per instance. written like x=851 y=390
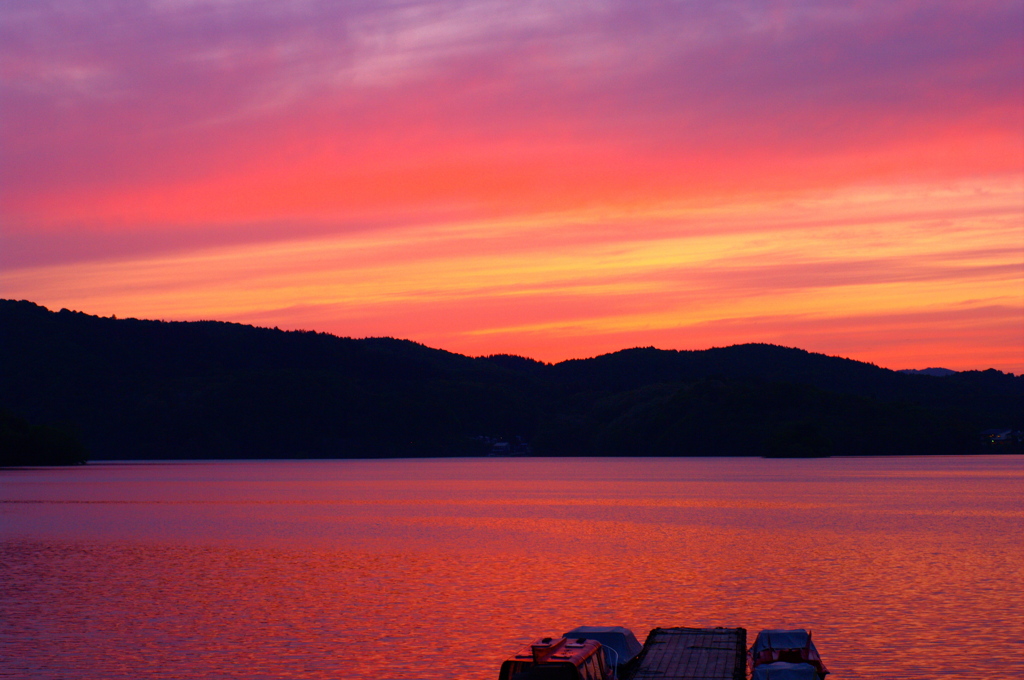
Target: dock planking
x=693 y=654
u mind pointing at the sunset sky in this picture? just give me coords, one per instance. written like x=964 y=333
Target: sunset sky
x=547 y=178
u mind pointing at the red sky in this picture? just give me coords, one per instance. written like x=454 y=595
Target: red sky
x=543 y=178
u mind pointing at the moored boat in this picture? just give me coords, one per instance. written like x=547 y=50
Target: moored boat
x=619 y=644
x=557 y=659
x=785 y=655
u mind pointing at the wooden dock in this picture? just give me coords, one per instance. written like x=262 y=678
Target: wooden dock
x=693 y=654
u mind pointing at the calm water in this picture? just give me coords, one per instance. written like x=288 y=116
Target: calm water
x=904 y=568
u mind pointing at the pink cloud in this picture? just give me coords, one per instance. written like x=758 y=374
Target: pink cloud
x=201 y=103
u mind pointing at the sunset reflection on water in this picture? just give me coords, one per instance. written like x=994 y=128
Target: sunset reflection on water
x=408 y=569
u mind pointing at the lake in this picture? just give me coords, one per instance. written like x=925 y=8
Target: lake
x=441 y=568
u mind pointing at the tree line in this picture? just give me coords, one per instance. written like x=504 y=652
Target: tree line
x=141 y=389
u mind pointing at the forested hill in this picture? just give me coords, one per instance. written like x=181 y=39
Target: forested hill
x=137 y=389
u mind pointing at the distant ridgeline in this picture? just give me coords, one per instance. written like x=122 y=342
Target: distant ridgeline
x=136 y=389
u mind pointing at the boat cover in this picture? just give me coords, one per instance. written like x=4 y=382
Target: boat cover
x=782 y=639
x=620 y=639
x=791 y=646
x=780 y=670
